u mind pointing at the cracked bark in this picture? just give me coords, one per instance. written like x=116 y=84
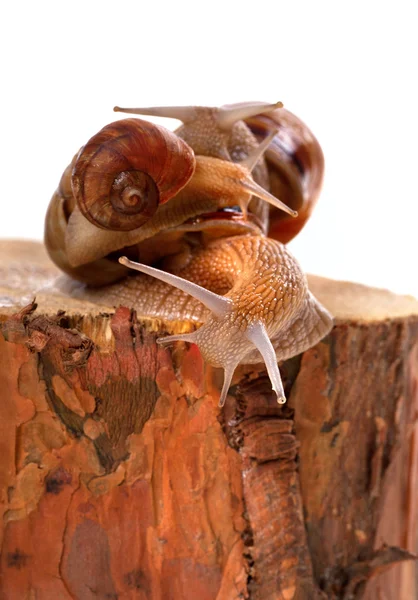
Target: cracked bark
x=121 y=479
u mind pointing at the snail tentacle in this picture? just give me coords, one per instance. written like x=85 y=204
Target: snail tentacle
x=229 y=115
x=217 y=304
x=257 y=334
x=182 y=113
x=228 y=374
x=260 y=192
x=255 y=155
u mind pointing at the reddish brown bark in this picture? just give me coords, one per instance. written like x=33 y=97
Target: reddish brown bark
x=121 y=478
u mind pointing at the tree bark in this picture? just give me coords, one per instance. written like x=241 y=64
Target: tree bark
x=120 y=478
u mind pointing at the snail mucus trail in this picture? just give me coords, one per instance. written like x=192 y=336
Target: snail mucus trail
x=138 y=191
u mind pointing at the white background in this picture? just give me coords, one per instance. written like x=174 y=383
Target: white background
x=348 y=69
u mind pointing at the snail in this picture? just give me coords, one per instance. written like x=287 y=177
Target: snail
x=197 y=211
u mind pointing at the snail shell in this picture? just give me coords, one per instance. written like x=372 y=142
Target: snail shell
x=126 y=170
x=295 y=164
x=117 y=180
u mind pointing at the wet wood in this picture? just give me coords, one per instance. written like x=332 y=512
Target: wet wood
x=121 y=478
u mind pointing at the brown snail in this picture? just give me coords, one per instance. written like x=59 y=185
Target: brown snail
x=196 y=202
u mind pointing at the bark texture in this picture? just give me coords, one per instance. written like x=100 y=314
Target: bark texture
x=120 y=478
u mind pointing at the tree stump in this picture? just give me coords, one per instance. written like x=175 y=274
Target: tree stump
x=120 y=478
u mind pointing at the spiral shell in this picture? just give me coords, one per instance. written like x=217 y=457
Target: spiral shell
x=126 y=170
x=296 y=166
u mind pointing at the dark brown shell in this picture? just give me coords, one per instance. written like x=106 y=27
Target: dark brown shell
x=126 y=170
x=296 y=166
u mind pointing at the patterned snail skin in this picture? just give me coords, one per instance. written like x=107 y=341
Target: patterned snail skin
x=197 y=203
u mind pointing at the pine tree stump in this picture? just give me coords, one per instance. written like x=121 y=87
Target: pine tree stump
x=120 y=478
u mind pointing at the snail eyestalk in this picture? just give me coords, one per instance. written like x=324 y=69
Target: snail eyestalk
x=218 y=305
x=254 y=156
x=260 y=192
x=229 y=115
x=257 y=334
x=183 y=113
x=228 y=374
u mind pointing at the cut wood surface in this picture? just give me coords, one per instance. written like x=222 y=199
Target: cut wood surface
x=121 y=478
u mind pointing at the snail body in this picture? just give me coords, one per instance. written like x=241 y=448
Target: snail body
x=196 y=202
